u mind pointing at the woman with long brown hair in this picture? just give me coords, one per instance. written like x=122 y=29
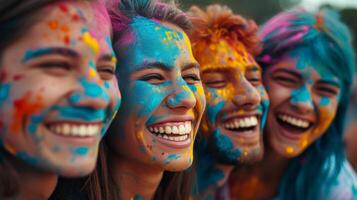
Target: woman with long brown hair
x=58 y=92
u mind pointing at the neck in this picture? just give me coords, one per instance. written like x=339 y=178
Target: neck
x=133 y=179
x=260 y=180
x=211 y=173
x=34 y=184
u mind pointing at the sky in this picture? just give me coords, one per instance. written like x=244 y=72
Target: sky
x=314 y=4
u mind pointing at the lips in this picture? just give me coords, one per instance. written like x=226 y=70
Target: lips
x=174 y=134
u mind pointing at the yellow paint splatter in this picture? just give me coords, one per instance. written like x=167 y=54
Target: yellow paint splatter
x=91 y=42
x=92 y=73
x=289 y=150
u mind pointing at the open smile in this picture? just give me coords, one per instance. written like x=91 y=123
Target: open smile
x=292 y=124
x=174 y=134
x=78 y=129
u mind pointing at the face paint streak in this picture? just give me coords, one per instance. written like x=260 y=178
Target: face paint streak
x=80 y=151
x=226 y=146
x=171 y=157
x=4 y=92
x=91 y=42
x=93 y=90
x=23 y=108
x=80 y=113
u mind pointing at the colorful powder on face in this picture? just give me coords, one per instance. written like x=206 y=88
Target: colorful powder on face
x=23 y=108
x=91 y=42
x=80 y=151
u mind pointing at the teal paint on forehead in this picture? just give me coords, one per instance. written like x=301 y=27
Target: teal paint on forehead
x=307 y=61
x=154 y=42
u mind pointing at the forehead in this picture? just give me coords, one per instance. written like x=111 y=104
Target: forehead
x=153 y=41
x=224 y=55
x=305 y=62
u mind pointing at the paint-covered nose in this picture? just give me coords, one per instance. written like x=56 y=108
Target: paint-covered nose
x=301 y=100
x=246 y=95
x=181 y=97
x=90 y=94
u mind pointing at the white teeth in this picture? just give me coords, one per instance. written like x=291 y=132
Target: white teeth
x=294 y=121
x=67 y=129
x=177 y=132
x=182 y=129
x=167 y=129
x=246 y=122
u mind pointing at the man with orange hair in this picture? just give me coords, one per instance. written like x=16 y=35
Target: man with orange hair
x=225 y=44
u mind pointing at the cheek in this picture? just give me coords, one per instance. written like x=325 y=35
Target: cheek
x=144 y=98
x=215 y=103
x=327 y=111
x=200 y=98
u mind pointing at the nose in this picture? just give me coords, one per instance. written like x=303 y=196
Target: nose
x=90 y=93
x=301 y=100
x=182 y=96
x=246 y=96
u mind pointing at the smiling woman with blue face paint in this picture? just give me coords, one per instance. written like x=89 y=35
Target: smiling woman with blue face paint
x=58 y=92
x=308 y=67
x=163 y=102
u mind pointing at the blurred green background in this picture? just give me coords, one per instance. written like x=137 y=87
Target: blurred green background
x=262 y=10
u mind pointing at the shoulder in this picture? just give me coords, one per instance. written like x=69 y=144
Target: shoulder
x=344 y=187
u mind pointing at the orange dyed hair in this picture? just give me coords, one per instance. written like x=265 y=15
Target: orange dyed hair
x=219 y=22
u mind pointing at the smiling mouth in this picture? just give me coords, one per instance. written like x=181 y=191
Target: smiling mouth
x=172 y=131
x=293 y=124
x=241 y=124
x=75 y=129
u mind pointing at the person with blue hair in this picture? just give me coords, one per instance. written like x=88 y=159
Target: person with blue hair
x=308 y=66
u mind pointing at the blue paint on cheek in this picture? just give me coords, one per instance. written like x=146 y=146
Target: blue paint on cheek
x=34 y=123
x=154 y=119
x=171 y=157
x=4 y=92
x=146 y=97
x=325 y=101
x=75 y=97
x=80 y=151
x=213 y=110
x=264 y=106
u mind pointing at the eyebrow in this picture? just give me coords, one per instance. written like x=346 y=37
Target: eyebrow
x=293 y=73
x=31 y=54
x=152 y=65
x=107 y=57
x=190 y=66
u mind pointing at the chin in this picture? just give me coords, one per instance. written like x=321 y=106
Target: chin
x=178 y=165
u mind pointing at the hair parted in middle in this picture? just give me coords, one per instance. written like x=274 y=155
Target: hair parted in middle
x=218 y=22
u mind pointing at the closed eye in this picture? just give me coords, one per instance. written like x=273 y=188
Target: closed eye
x=191 y=78
x=154 y=78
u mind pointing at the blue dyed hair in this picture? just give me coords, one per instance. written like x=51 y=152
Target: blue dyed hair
x=330 y=40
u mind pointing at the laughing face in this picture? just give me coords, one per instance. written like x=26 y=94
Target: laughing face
x=58 y=92
x=236 y=101
x=163 y=98
x=304 y=96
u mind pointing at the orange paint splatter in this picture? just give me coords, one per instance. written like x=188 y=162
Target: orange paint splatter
x=23 y=108
x=65 y=28
x=53 y=24
x=66 y=40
